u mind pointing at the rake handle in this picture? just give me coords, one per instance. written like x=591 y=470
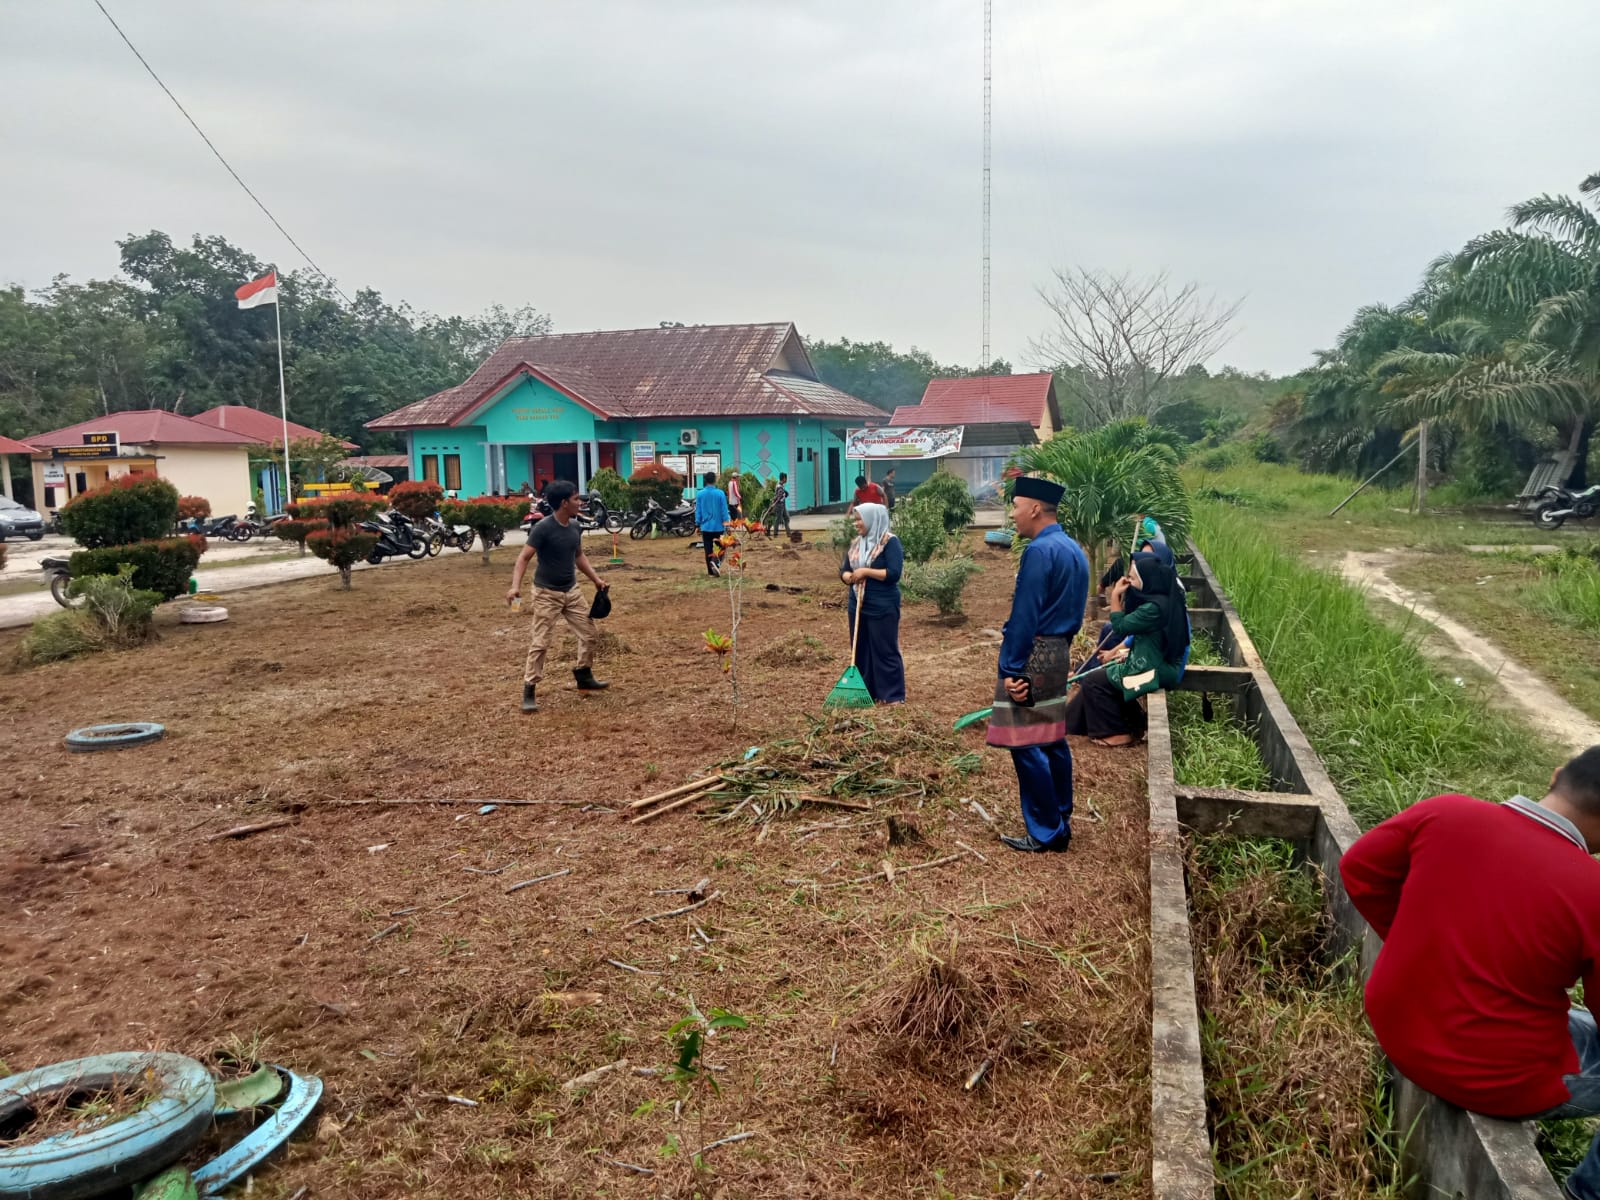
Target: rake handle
x=859 y=591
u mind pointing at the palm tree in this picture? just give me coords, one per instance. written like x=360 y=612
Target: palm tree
x=1519 y=318
x=1111 y=475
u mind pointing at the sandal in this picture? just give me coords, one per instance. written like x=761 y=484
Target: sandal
x=1110 y=745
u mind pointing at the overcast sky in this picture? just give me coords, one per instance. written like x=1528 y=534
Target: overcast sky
x=621 y=162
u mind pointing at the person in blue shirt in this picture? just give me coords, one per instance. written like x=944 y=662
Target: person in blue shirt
x=711 y=517
x=1030 y=697
x=871 y=568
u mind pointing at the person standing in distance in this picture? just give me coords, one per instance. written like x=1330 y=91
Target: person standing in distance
x=888 y=490
x=557 y=542
x=711 y=516
x=1030 y=698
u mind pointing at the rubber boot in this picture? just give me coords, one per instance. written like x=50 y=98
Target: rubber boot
x=528 y=703
x=587 y=682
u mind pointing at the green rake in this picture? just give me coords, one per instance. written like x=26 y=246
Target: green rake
x=851 y=690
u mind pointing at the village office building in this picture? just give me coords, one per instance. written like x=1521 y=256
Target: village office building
x=692 y=397
x=198 y=459
x=999 y=414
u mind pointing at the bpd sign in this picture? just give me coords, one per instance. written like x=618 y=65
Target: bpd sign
x=95 y=445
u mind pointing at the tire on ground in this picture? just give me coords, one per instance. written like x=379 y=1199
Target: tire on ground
x=113 y=737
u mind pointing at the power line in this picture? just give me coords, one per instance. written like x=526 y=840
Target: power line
x=218 y=153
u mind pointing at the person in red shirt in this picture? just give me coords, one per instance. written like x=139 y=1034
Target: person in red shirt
x=1489 y=913
x=866 y=493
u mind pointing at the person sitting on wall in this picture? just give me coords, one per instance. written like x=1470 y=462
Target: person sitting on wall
x=1147 y=607
x=1489 y=913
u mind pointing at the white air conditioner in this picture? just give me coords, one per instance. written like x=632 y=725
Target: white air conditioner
x=689 y=437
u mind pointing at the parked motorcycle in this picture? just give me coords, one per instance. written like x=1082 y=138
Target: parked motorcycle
x=677 y=522
x=219 y=527
x=595 y=515
x=1556 y=504
x=397 y=535
x=59 y=575
x=459 y=536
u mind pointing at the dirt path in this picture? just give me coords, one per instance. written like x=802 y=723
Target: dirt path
x=1544 y=709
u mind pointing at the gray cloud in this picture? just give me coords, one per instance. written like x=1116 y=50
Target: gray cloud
x=619 y=163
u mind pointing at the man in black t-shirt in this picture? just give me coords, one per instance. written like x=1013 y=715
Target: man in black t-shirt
x=557 y=542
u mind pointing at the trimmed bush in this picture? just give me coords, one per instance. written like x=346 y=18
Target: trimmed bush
x=296 y=531
x=949 y=491
x=654 y=482
x=163 y=566
x=193 y=508
x=488 y=515
x=613 y=488
x=342 y=547
x=416 y=498
x=134 y=508
x=940 y=582
x=340 y=512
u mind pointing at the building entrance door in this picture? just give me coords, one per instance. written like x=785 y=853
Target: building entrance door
x=835 y=484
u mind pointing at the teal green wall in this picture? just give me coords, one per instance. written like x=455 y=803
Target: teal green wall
x=533 y=412
x=467 y=441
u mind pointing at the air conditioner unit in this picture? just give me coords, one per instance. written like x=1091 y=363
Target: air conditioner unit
x=689 y=437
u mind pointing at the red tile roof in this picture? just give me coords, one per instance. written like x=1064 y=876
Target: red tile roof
x=984 y=400
x=677 y=371
x=260 y=427
x=143 y=426
x=12 y=446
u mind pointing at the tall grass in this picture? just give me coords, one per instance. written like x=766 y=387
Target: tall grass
x=1216 y=753
x=1294 y=1084
x=1390 y=729
x=1569 y=590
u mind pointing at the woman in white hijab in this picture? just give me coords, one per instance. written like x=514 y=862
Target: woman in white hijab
x=871 y=569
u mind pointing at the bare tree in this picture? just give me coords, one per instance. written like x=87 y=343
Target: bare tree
x=1122 y=338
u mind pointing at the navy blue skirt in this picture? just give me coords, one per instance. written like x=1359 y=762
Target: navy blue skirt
x=878 y=657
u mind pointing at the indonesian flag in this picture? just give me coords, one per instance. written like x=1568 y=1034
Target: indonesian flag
x=260 y=291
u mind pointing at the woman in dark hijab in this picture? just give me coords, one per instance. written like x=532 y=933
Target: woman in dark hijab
x=1147 y=610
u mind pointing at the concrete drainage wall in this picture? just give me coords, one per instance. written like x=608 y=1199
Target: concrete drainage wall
x=1448 y=1152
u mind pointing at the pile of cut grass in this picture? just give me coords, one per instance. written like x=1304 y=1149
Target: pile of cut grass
x=1294 y=1081
x=1389 y=728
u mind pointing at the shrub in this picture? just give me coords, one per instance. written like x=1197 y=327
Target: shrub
x=919 y=524
x=342 y=547
x=949 y=491
x=193 y=507
x=749 y=489
x=131 y=509
x=1265 y=448
x=613 y=488
x=489 y=516
x=416 y=498
x=841 y=532
x=1219 y=459
x=340 y=512
x=296 y=531
x=941 y=582
x=162 y=566
x=115 y=613
x=654 y=482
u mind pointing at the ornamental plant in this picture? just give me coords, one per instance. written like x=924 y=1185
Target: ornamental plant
x=490 y=517
x=613 y=489
x=416 y=498
x=195 y=508
x=342 y=547
x=160 y=565
x=655 y=482
x=296 y=531
x=134 y=508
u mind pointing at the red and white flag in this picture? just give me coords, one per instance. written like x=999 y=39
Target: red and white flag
x=260 y=291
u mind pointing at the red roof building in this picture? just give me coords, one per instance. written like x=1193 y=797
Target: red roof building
x=1003 y=403
x=697 y=397
x=263 y=428
x=198 y=459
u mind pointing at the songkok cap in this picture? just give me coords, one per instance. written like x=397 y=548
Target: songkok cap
x=1039 y=489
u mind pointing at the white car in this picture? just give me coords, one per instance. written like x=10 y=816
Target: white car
x=16 y=521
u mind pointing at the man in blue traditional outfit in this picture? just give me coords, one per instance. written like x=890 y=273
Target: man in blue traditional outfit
x=1030 y=698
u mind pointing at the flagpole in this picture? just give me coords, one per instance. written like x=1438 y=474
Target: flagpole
x=283 y=396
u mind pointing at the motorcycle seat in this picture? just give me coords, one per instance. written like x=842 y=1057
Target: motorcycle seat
x=53 y=564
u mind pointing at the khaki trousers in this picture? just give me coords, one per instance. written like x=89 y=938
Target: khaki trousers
x=549 y=607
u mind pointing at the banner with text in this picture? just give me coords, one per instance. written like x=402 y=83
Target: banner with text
x=903 y=441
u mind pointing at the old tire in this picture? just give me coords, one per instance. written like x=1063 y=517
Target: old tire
x=113 y=737
x=202 y=614
x=82 y=1163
